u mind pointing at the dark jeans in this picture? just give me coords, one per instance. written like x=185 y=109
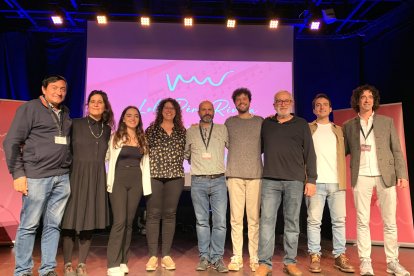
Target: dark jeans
x=162 y=204
x=125 y=197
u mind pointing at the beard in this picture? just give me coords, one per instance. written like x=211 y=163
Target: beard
x=207 y=118
x=243 y=110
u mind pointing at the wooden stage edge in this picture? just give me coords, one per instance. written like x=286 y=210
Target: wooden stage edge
x=185 y=254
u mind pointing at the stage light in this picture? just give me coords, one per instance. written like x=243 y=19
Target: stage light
x=188 y=21
x=57 y=19
x=314 y=17
x=101 y=19
x=273 y=24
x=315 y=25
x=231 y=23
x=145 y=21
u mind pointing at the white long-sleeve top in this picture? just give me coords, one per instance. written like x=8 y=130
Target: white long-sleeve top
x=112 y=157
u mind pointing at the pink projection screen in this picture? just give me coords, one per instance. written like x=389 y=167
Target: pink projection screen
x=141 y=66
x=144 y=83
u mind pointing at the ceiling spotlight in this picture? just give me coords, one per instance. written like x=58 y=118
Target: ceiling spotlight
x=101 y=19
x=231 y=23
x=188 y=21
x=145 y=21
x=273 y=24
x=57 y=19
x=315 y=25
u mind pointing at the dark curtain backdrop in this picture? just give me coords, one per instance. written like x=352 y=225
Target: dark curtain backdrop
x=388 y=62
x=26 y=58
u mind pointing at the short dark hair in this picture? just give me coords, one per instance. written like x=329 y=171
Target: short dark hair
x=239 y=91
x=51 y=79
x=356 y=95
x=321 y=95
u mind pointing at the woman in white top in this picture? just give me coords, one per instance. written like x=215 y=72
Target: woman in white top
x=128 y=179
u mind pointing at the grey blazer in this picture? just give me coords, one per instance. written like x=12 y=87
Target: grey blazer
x=391 y=161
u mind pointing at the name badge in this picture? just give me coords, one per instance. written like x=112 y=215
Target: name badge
x=206 y=155
x=61 y=140
x=365 y=147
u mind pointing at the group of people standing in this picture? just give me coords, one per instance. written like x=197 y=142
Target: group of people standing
x=58 y=164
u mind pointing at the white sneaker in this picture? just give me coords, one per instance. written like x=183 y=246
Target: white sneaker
x=115 y=271
x=366 y=268
x=124 y=268
x=396 y=269
x=236 y=263
x=254 y=264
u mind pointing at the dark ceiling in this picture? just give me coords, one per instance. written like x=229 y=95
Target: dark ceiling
x=350 y=18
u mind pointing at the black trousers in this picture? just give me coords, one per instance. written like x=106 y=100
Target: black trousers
x=162 y=204
x=125 y=197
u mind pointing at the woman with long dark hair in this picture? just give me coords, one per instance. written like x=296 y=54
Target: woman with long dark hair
x=166 y=139
x=128 y=179
x=87 y=207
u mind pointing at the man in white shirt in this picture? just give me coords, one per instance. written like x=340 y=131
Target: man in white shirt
x=328 y=141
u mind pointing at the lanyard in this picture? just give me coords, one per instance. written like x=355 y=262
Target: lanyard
x=209 y=135
x=369 y=131
x=55 y=117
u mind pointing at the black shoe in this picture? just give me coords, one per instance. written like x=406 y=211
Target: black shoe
x=220 y=266
x=51 y=273
x=203 y=264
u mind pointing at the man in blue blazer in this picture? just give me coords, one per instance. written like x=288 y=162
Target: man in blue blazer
x=376 y=162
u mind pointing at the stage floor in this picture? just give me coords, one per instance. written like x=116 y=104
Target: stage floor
x=185 y=255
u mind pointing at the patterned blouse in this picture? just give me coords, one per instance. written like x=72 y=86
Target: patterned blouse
x=166 y=152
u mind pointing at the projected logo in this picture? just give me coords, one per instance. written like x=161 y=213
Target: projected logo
x=144 y=83
x=179 y=77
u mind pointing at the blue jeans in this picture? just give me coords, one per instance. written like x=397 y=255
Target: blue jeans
x=46 y=197
x=337 y=209
x=206 y=193
x=272 y=192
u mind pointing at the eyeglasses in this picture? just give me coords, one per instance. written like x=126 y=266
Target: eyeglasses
x=280 y=102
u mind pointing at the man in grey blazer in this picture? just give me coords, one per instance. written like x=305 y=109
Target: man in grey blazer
x=376 y=161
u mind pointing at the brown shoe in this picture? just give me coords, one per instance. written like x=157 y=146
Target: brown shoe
x=292 y=270
x=152 y=264
x=167 y=263
x=263 y=270
x=342 y=263
x=315 y=263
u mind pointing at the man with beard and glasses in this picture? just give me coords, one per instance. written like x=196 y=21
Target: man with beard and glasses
x=289 y=171
x=204 y=150
x=244 y=172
